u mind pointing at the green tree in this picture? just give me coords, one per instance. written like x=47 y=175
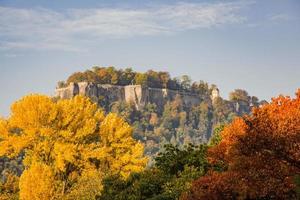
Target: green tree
x=126 y=76
x=216 y=137
x=139 y=186
x=156 y=183
x=173 y=159
x=77 y=77
x=154 y=80
x=164 y=78
x=185 y=82
x=141 y=79
x=205 y=116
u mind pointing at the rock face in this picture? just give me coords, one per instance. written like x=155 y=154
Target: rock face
x=136 y=94
x=215 y=94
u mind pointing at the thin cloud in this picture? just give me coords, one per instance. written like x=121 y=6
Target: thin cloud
x=281 y=17
x=47 y=29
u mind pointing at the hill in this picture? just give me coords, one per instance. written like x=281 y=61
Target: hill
x=161 y=109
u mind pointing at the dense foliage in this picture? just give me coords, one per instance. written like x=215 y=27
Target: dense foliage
x=113 y=76
x=179 y=124
x=68 y=147
x=172 y=174
x=260 y=153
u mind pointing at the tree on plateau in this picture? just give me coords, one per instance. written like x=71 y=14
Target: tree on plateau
x=68 y=146
x=259 y=154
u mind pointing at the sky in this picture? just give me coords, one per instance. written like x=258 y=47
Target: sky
x=252 y=45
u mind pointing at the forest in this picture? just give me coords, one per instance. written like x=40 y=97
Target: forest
x=76 y=149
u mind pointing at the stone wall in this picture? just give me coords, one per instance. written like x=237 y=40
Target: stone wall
x=161 y=96
x=67 y=92
x=136 y=94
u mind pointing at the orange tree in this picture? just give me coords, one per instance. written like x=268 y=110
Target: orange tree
x=259 y=155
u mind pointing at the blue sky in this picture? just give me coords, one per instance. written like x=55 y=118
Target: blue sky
x=254 y=45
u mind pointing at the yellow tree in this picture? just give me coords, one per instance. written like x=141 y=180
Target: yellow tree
x=65 y=141
x=37 y=182
x=120 y=152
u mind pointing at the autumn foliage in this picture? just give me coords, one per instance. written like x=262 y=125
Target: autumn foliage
x=259 y=155
x=71 y=150
x=68 y=146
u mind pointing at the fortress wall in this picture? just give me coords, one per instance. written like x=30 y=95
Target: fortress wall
x=136 y=94
x=191 y=100
x=67 y=92
x=111 y=92
x=63 y=93
x=188 y=98
x=83 y=88
x=161 y=96
x=157 y=96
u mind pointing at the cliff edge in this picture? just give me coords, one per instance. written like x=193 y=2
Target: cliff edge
x=136 y=94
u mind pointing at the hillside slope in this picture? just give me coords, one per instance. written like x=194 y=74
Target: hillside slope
x=160 y=108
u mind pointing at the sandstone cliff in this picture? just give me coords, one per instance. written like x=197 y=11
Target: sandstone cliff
x=135 y=94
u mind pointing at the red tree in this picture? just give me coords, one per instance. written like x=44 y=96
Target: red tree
x=260 y=154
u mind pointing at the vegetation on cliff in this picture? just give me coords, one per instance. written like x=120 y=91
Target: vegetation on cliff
x=113 y=76
x=175 y=122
